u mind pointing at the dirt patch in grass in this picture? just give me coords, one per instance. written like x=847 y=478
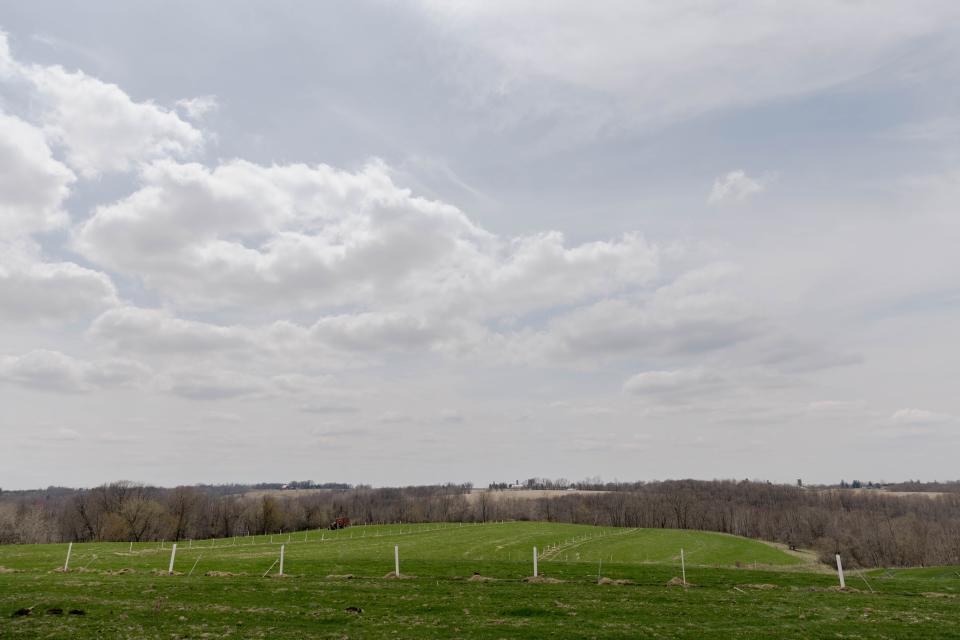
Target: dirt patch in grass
x=760 y=586
x=837 y=588
x=160 y=572
x=119 y=572
x=222 y=574
x=938 y=594
x=6 y=570
x=541 y=580
x=394 y=576
x=479 y=578
x=341 y=576
x=613 y=581
x=678 y=582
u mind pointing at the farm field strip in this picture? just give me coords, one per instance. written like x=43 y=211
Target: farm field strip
x=494 y=548
x=344 y=587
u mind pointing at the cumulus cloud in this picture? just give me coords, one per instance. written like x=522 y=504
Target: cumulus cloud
x=99 y=126
x=691 y=315
x=340 y=341
x=159 y=331
x=33 y=185
x=674 y=386
x=53 y=371
x=62 y=291
x=735 y=186
x=197 y=108
x=298 y=236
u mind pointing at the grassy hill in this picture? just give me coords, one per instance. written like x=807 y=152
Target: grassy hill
x=123 y=591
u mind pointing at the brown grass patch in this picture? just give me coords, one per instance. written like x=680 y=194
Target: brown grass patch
x=541 y=580
x=678 y=582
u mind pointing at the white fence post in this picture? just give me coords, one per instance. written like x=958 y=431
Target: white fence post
x=66 y=565
x=396 y=560
x=281 y=559
x=843 y=585
x=535 y=562
x=173 y=554
x=683 y=568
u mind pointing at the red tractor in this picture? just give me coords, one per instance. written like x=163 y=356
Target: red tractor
x=340 y=523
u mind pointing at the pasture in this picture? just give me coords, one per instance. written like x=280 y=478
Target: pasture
x=462 y=581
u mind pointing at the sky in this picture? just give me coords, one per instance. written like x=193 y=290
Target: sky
x=478 y=241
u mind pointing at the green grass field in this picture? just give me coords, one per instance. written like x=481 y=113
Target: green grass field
x=125 y=593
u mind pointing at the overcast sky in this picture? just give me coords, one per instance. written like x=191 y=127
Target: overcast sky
x=418 y=242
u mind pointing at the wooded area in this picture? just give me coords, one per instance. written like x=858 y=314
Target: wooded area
x=870 y=528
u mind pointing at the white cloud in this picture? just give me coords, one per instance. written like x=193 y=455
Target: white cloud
x=158 y=331
x=100 y=127
x=197 y=108
x=919 y=417
x=375 y=331
x=691 y=315
x=735 y=186
x=307 y=237
x=33 y=185
x=913 y=423
x=677 y=385
x=53 y=371
x=213 y=384
x=659 y=61
x=63 y=291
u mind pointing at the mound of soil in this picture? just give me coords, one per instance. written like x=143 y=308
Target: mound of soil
x=542 y=580
x=678 y=582
x=342 y=576
x=479 y=578
x=6 y=570
x=393 y=576
x=612 y=581
x=761 y=586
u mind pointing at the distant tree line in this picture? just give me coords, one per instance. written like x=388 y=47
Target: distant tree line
x=869 y=528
